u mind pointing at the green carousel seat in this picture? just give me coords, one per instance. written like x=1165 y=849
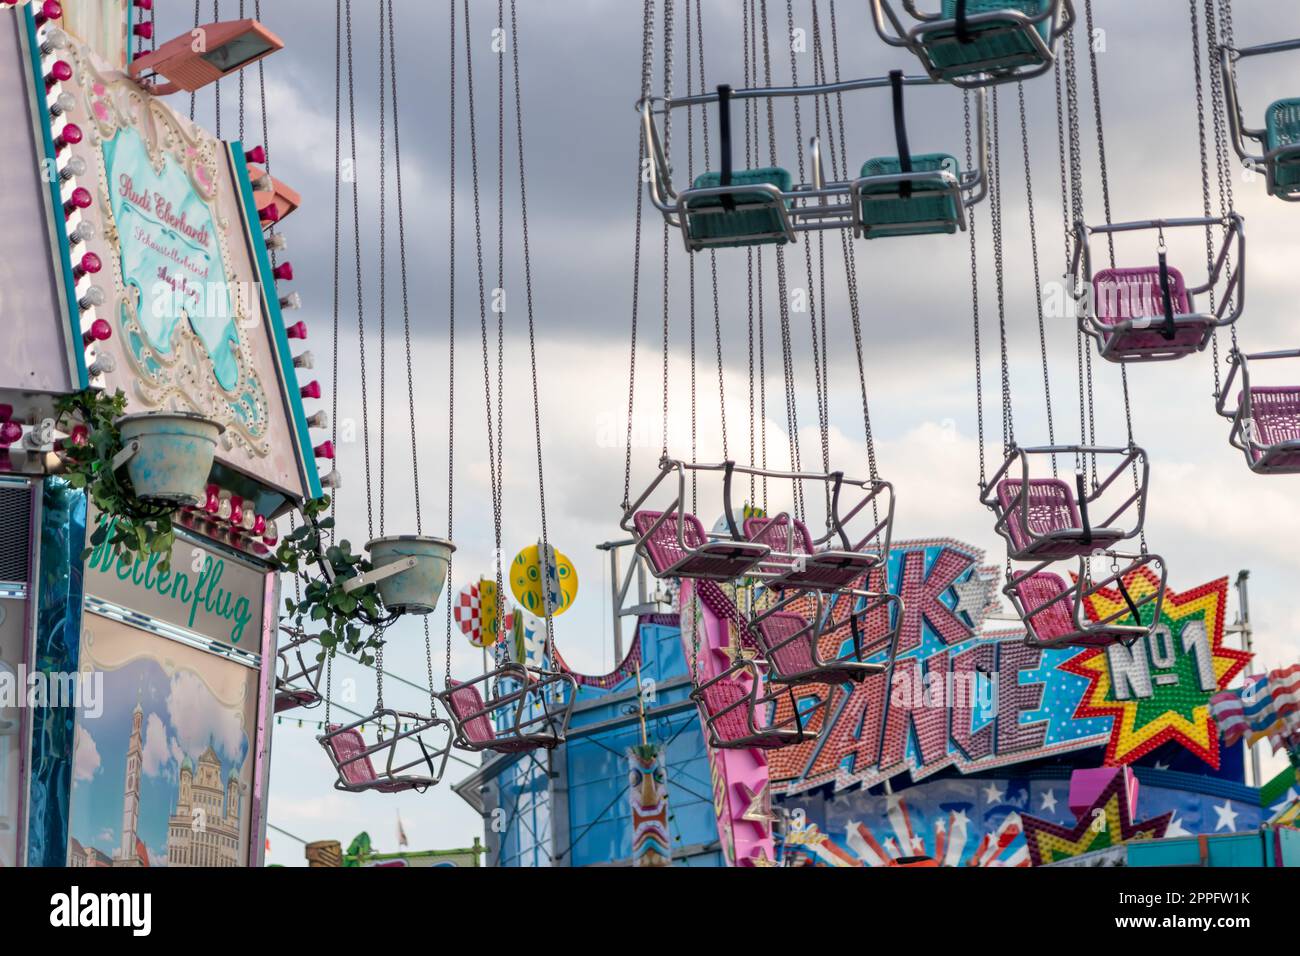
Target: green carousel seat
x=755 y=217
x=1283 y=131
x=930 y=208
x=997 y=45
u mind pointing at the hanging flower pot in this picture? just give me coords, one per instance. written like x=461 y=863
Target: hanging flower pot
x=416 y=588
x=168 y=454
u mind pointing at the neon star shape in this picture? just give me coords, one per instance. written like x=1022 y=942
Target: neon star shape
x=1108 y=822
x=1181 y=713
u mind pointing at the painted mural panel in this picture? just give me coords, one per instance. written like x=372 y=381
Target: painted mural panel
x=163 y=775
x=982 y=822
x=12 y=693
x=191 y=322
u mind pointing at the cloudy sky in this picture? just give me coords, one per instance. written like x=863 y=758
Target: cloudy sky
x=580 y=65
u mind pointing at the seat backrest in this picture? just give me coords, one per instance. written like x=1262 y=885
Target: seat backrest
x=774 y=532
x=1123 y=294
x=794 y=657
x=733 y=724
x=1277 y=414
x=347 y=746
x=1051 y=508
x=1035 y=591
x=662 y=543
x=1031 y=8
x=1283 y=123
x=465 y=700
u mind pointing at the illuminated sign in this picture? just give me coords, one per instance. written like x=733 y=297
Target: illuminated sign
x=960 y=698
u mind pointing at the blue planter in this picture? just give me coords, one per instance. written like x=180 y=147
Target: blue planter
x=173 y=456
x=415 y=590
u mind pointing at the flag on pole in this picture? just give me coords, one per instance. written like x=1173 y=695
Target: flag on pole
x=401 y=831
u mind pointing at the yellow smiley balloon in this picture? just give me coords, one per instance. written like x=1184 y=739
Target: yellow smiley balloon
x=526 y=581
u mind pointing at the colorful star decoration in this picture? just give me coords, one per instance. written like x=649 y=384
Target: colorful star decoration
x=1177 y=706
x=1108 y=822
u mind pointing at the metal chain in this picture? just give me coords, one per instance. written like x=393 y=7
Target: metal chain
x=975 y=301
x=383 y=257
x=669 y=6
x=532 y=337
x=1008 y=423
x=647 y=67
x=356 y=236
x=451 y=331
x=690 y=259
x=338 y=219
x=1038 y=279
x=494 y=476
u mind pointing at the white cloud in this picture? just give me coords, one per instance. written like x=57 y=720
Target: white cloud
x=85 y=756
x=198 y=718
x=157 y=752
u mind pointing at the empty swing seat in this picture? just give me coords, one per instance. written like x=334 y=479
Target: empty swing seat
x=790 y=646
x=755 y=218
x=475 y=726
x=999 y=45
x=1054 y=625
x=700 y=557
x=1055 y=528
x=1283 y=132
x=800 y=565
x=1276 y=446
x=348 y=748
x=1132 y=301
x=931 y=208
x=730 y=710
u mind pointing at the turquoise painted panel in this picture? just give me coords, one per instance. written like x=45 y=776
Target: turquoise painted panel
x=168 y=237
x=58 y=650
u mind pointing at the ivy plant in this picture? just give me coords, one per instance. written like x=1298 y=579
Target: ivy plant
x=324 y=567
x=134 y=529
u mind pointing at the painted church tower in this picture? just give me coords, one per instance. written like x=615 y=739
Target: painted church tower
x=131 y=795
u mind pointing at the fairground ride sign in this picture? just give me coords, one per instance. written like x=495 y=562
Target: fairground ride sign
x=962 y=697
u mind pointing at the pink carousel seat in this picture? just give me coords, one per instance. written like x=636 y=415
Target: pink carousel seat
x=349 y=750
x=1277 y=428
x=1128 y=295
x=1055 y=529
x=819 y=570
x=728 y=711
x=790 y=646
x=466 y=705
x=1054 y=626
x=701 y=558
x=465 y=700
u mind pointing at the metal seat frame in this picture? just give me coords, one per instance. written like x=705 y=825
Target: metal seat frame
x=849 y=667
x=526 y=732
x=807 y=207
x=1088 y=633
x=972 y=76
x=1033 y=549
x=1233 y=293
x=287 y=697
x=770 y=735
x=391 y=778
x=1267 y=159
x=1262 y=459
x=769 y=566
